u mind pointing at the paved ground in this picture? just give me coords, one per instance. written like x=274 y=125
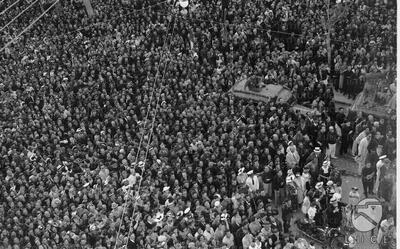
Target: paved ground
x=349 y=180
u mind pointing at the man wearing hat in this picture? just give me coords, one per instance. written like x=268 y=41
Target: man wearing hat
x=317 y=153
x=314 y=162
x=334 y=213
x=321 y=196
x=252 y=182
x=381 y=167
x=325 y=172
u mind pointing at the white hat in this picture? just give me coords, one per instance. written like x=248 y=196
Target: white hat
x=382 y=157
x=333 y=200
x=224 y=216
x=241 y=170
x=317 y=149
x=337 y=196
x=168 y=203
x=184 y=3
x=290 y=143
x=329 y=183
x=250 y=172
x=187 y=210
x=326 y=164
x=319 y=185
x=253 y=246
x=218 y=196
x=141 y=164
x=165 y=189
x=158 y=161
x=159 y=217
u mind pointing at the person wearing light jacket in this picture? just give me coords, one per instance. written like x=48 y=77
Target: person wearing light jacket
x=252 y=181
x=292 y=156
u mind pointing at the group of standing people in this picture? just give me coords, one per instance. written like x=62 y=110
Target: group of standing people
x=117 y=130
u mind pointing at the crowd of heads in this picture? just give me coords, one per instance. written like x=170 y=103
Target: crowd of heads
x=118 y=129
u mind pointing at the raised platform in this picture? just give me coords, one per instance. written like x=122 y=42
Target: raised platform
x=360 y=104
x=341 y=100
x=265 y=93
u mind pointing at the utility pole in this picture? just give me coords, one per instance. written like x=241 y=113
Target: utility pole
x=333 y=15
x=89 y=8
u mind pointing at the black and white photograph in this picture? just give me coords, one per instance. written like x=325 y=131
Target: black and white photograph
x=198 y=124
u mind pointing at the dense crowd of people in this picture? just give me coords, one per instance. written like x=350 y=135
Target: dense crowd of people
x=118 y=130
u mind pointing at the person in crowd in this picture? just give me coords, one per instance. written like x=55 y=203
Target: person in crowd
x=368 y=177
x=334 y=213
x=384 y=228
x=252 y=182
x=382 y=167
x=363 y=151
x=287 y=213
x=278 y=185
x=359 y=137
x=292 y=156
x=386 y=188
x=292 y=190
x=346 y=137
x=266 y=178
x=354 y=197
x=325 y=172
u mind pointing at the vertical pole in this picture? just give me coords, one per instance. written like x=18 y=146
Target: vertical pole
x=88 y=7
x=328 y=39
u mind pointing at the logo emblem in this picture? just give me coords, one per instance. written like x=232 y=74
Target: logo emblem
x=367 y=214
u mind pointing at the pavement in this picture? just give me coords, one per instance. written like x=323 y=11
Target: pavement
x=350 y=179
